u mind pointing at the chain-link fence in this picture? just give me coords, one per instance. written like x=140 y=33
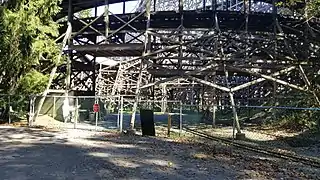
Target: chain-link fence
x=14 y=108
x=261 y=125
x=59 y=111
x=163 y=115
x=116 y=113
x=264 y=126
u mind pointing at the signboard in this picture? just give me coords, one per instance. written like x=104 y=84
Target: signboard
x=96 y=108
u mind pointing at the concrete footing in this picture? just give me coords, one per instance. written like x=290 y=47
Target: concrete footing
x=240 y=136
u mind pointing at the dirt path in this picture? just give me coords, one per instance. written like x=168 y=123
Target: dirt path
x=77 y=154
x=74 y=154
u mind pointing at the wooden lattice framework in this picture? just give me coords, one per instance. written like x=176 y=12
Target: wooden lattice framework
x=198 y=56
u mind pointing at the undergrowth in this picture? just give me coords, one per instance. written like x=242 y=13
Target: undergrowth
x=298 y=120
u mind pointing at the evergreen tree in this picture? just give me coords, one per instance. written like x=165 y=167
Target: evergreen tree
x=27 y=44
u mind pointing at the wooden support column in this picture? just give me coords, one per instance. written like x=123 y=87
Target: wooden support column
x=106 y=19
x=214 y=26
x=137 y=97
x=123 y=7
x=145 y=52
x=246 y=14
x=235 y=114
x=69 y=59
x=274 y=18
x=154 y=5
x=180 y=34
x=66 y=110
x=94 y=75
x=236 y=123
x=96 y=9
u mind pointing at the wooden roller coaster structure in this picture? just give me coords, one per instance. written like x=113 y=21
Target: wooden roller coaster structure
x=224 y=52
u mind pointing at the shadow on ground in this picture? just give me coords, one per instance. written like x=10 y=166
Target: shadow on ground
x=34 y=154
x=77 y=154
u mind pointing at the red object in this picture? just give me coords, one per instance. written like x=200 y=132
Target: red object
x=96 y=108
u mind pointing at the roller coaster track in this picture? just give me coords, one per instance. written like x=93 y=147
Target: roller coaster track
x=87 y=4
x=193 y=20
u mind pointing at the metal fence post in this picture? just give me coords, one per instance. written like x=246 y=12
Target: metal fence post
x=54 y=107
x=180 y=119
x=118 y=115
x=30 y=110
x=32 y=107
x=121 y=114
x=76 y=113
x=9 y=120
x=96 y=115
x=169 y=124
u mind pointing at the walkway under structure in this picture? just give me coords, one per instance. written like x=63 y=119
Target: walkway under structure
x=206 y=52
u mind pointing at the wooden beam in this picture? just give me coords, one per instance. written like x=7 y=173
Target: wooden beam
x=237 y=88
x=268 y=78
x=306 y=80
x=87 y=25
x=208 y=83
x=208 y=67
x=109 y=47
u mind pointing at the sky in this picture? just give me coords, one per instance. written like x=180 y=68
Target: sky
x=118 y=7
x=115 y=9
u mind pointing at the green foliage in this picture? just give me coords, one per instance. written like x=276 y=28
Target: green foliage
x=27 y=36
x=289 y=3
x=298 y=119
x=32 y=83
x=85 y=13
x=312 y=7
x=27 y=50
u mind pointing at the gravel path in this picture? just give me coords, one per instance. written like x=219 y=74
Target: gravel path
x=77 y=154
